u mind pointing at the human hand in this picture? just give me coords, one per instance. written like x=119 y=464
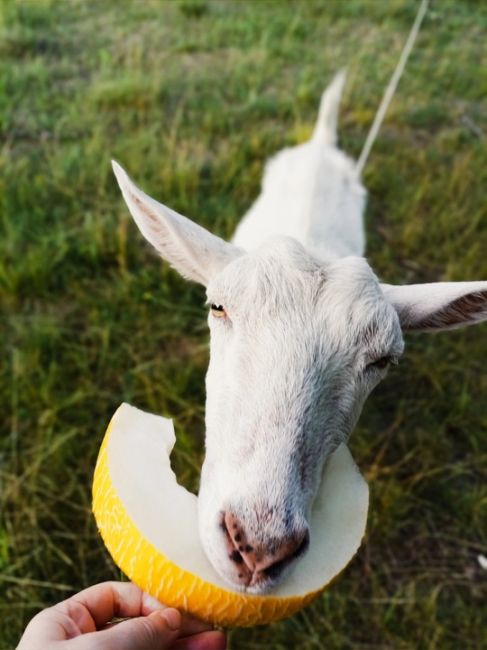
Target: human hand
x=83 y=622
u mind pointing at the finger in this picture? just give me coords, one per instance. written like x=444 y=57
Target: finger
x=47 y=626
x=213 y=640
x=150 y=604
x=124 y=599
x=95 y=606
x=157 y=631
x=192 y=625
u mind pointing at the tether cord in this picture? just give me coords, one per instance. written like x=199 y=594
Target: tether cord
x=391 y=88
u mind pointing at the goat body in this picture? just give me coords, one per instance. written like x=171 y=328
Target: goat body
x=311 y=193
x=301 y=332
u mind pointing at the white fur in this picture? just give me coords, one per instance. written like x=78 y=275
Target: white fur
x=292 y=362
x=311 y=193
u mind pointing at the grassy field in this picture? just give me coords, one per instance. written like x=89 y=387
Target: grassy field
x=191 y=97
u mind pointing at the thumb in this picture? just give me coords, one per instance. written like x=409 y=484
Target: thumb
x=157 y=631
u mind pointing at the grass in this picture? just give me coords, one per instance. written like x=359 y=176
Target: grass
x=192 y=97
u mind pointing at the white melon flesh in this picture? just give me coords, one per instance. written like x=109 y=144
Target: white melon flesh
x=149 y=524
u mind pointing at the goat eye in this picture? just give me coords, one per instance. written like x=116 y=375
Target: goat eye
x=218 y=311
x=380 y=364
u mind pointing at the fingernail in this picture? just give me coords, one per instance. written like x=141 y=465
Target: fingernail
x=173 y=618
x=152 y=604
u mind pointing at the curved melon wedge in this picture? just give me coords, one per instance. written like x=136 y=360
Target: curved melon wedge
x=149 y=525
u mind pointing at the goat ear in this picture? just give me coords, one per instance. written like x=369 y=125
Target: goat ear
x=438 y=306
x=193 y=251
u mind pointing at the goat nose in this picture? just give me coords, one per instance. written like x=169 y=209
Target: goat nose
x=256 y=562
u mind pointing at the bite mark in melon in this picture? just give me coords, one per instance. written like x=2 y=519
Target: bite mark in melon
x=149 y=524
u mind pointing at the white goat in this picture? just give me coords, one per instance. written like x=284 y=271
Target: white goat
x=301 y=332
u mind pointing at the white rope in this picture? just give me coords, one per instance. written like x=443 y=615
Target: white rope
x=391 y=88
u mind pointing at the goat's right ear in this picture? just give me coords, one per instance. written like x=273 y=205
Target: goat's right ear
x=438 y=306
x=193 y=251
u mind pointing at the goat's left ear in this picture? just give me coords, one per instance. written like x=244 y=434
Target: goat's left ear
x=192 y=250
x=438 y=306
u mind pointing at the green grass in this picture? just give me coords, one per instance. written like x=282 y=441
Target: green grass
x=191 y=97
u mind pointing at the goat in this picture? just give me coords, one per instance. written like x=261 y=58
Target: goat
x=301 y=331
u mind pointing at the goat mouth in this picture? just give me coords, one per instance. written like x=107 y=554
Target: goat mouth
x=276 y=570
x=251 y=573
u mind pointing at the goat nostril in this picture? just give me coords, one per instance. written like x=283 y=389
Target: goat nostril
x=236 y=557
x=274 y=570
x=291 y=551
x=240 y=551
x=231 y=528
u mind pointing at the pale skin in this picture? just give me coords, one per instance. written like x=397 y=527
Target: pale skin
x=87 y=621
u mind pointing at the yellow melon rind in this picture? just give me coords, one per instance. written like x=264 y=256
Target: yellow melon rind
x=148 y=568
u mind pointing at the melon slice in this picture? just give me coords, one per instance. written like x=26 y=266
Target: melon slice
x=149 y=525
